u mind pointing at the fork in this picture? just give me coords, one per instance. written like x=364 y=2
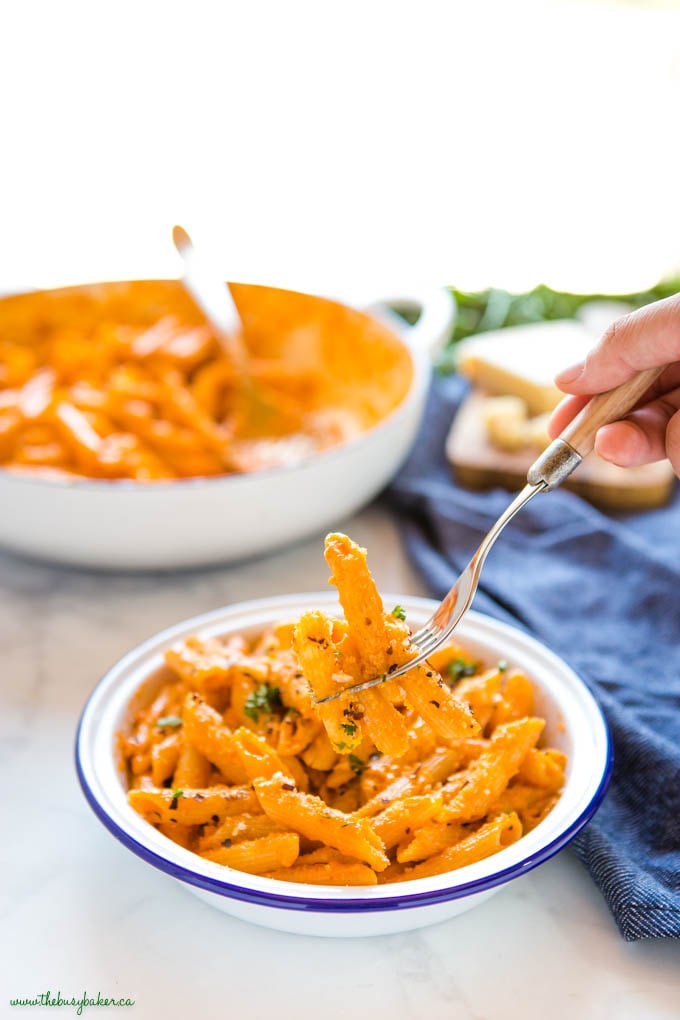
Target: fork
x=551 y=468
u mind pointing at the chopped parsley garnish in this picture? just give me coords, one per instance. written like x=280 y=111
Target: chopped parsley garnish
x=176 y=794
x=350 y=728
x=264 y=698
x=169 y=721
x=356 y=764
x=502 y=666
x=459 y=668
x=399 y=612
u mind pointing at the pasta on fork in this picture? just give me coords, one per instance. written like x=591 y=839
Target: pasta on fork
x=423 y=774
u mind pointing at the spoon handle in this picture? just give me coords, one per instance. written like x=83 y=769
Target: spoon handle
x=213 y=297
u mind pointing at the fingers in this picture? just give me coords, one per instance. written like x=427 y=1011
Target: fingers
x=647 y=338
x=571 y=405
x=638 y=439
x=644 y=436
x=644 y=339
x=563 y=414
x=647 y=434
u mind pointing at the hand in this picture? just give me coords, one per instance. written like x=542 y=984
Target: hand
x=644 y=339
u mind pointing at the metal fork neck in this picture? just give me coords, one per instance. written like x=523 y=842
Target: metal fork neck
x=554 y=465
x=520 y=500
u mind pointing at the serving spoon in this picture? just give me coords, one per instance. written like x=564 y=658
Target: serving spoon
x=553 y=466
x=214 y=299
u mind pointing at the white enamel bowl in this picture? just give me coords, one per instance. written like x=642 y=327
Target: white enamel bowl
x=574 y=723
x=126 y=525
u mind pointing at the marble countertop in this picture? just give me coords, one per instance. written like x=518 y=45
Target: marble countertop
x=78 y=912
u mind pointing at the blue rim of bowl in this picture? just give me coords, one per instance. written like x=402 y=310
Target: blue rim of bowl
x=345 y=906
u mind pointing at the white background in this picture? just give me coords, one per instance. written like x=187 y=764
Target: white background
x=358 y=146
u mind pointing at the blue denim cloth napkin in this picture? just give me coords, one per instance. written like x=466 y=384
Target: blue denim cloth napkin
x=603 y=591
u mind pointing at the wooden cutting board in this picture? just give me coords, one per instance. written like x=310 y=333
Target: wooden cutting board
x=479 y=465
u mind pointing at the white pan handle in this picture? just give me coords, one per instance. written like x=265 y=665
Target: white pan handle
x=436 y=310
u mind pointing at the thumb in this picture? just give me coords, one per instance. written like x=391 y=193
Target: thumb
x=646 y=338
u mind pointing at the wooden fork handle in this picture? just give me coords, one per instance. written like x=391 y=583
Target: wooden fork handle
x=577 y=440
x=606 y=408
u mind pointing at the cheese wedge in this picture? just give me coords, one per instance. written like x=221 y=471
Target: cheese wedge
x=522 y=361
x=478 y=464
x=509 y=426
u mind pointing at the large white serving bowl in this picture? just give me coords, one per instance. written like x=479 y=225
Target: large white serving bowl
x=574 y=723
x=127 y=525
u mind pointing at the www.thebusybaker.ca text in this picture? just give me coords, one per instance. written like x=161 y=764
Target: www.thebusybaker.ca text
x=48 y=999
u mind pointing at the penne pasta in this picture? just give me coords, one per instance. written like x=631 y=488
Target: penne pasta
x=183 y=835
x=258 y=856
x=487 y=840
x=296 y=732
x=327 y=866
x=315 y=820
x=326 y=874
x=404 y=817
x=202 y=665
x=320 y=754
x=544 y=768
x=383 y=723
x=259 y=760
x=516 y=701
x=432 y=699
x=482 y=694
x=123 y=382
x=204 y=729
x=531 y=803
x=313 y=640
x=233 y=760
x=164 y=758
x=489 y=775
x=360 y=601
x=192 y=807
x=431 y=839
x=193 y=768
x=237 y=829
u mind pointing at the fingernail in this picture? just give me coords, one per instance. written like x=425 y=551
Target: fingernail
x=570 y=375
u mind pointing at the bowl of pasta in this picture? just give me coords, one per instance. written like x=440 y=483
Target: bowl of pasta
x=121 y=411
x=204 y=752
